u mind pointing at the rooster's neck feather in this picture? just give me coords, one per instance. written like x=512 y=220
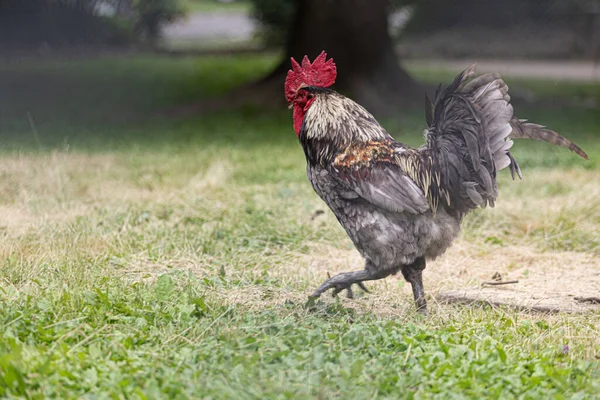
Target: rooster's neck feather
x=332 y=123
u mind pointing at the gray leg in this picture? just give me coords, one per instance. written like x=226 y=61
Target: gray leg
x=347 y=279
x=413 y=274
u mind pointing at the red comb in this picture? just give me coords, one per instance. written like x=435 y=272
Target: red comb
x=320 y=72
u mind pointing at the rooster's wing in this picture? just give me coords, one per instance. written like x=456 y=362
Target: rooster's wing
x=372 y=172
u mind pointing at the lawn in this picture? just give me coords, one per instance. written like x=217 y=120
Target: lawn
x=151 y=257
x=237 y=6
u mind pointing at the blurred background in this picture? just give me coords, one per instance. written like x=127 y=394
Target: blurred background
x=388 y=52
x=171 y=76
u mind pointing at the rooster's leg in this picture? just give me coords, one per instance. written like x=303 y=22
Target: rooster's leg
x=413 y=274
x=347 y=279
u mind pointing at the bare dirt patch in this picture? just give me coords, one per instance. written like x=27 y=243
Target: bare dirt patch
x=547 y=281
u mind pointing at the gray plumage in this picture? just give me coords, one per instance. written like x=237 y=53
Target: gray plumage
x=402 y=206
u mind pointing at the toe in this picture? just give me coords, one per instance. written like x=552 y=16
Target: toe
x=363 y=287
x=349 y=293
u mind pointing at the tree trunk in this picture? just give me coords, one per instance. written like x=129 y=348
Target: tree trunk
x=355 y=33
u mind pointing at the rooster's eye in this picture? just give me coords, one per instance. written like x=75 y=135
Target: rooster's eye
x=310 y=96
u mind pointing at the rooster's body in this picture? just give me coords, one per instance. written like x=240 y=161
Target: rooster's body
x=402 y=206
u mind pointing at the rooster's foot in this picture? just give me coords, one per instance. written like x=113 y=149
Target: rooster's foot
x=349 y=293
x=414 y=275
x=344 y=281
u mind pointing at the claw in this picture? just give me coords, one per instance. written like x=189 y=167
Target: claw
x=363 y=287
x=324 y=287
x=350 y=293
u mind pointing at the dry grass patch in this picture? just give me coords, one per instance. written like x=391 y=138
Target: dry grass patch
x=65 y=205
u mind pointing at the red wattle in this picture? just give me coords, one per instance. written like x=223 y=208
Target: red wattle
x=298 y=116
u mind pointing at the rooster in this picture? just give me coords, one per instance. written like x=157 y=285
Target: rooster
x=402 y=206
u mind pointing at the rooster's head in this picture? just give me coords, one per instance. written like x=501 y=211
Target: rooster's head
x=320 y=73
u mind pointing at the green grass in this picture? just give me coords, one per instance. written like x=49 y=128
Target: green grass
x=215 y=6
x=152 y=257
x=210 y=44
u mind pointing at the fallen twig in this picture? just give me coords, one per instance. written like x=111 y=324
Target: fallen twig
x=588 y=299
x=452 y=298
x=498 y=283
